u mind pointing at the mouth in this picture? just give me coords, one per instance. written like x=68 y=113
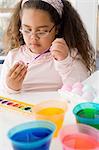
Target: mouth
x=35 y=44
x=34 y=47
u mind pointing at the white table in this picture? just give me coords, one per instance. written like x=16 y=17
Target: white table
x=8 y=119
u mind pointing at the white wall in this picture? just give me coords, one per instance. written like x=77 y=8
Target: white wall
x=73 y=2
x=88 y=12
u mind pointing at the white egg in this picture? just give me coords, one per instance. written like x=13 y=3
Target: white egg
x=88 y=96
x=87 y=88
x=77 y=91
x=78 y=85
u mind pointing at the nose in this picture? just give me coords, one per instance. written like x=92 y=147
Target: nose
x=34 y=36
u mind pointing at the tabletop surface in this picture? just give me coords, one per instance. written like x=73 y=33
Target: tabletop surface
x=10 y=118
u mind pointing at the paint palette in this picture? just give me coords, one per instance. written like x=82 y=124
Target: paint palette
x=16 y=105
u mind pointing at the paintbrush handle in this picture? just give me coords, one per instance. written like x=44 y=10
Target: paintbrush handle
x=42 y=53
x=48 y=50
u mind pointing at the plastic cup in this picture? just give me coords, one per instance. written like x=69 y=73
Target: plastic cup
x=87 y=113
x=79 y=137
x=53 y=111
x=35 y=135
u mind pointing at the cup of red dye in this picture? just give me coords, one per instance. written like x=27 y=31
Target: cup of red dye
x=35 y=135
x=79 y=137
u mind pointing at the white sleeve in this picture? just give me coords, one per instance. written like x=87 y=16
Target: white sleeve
x=71 y=70
x=5 y=68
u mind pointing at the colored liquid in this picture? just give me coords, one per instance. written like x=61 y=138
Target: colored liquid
x=9 y=103
x=32 y=135
x=90 y=114
x=17 y=105
x=79 y=141
x=56 y=115
x=4 y=102
x=1 y=99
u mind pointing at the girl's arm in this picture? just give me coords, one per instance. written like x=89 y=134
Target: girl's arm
x=5 y=68
x=72 y=69
x=68 y=62
x=9 y=60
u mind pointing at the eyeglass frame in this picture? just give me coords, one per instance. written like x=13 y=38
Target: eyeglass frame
x=30 y=33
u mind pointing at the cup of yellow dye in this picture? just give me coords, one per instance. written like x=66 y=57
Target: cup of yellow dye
x=79 y=137
x=52 y=110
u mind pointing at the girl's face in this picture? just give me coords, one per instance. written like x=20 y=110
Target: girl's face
x=38 y=30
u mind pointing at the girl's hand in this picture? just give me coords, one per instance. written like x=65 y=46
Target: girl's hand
x=59 y=49
x=16 y=76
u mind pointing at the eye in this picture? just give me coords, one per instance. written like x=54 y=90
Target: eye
x=42 y=30
x=27 y=30
x=42 y=33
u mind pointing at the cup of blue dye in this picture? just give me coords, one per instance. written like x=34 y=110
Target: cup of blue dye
x=35 y=135
x=87 y=113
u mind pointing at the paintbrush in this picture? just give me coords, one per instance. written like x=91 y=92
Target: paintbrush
x=46 y=51
x=42 y=54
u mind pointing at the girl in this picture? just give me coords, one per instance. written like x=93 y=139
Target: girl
x=48 y=47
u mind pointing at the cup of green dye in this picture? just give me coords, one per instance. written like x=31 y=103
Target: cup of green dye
x=87 y=113
x=35 y=135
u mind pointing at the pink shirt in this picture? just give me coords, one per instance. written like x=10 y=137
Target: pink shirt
x=45 y=73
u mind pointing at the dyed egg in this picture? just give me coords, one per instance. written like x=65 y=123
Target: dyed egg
x=78 y=85
x=66 y=87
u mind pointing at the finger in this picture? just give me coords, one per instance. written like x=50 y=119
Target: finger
x=59 y=47
x=18 y=71
x=13 y=69
x=59 y=53
x=22 y=75
x=55 y=52
x=59 y=40
x=58 y=43
x=21 y=62
x=56 y=55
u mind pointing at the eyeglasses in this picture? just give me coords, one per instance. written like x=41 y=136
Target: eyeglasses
x=39 y=34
